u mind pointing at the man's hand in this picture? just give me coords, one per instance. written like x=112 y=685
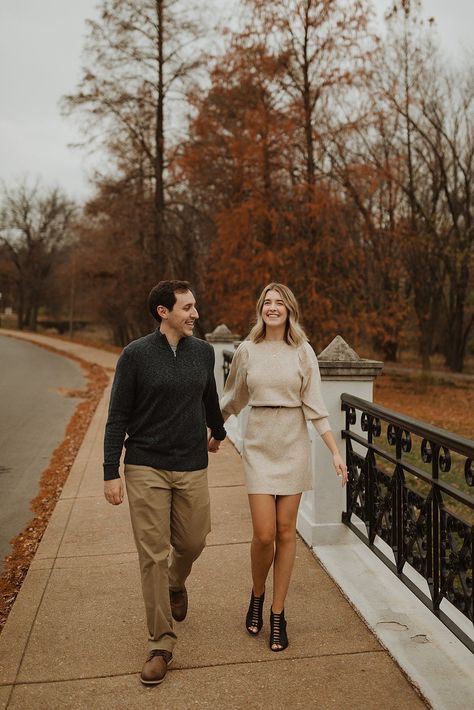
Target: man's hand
x=213 y=445
x=113 y=491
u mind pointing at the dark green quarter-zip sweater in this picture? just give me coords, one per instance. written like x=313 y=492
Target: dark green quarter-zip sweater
x=161 y=404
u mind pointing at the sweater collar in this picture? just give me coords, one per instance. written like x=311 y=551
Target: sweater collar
x=162 y=341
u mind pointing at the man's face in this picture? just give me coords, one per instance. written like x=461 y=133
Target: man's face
x=180 y=320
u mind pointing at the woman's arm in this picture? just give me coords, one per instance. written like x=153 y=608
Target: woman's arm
x=339 y=465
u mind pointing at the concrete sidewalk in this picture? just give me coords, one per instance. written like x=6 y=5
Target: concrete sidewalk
x=76 y=635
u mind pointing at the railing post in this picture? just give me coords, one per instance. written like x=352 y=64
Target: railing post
x=434 y=550
x=342 y=370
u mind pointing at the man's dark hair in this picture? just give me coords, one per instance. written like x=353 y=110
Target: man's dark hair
x=164 y=294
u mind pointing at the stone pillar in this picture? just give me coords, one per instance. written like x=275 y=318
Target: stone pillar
x=221 y=339
x=342 y=370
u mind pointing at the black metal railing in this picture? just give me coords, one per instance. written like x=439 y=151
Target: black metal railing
x=410 y=485
x=228 y=355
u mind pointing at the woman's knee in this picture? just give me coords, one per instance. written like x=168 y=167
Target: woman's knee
x=286 y=533
x=264 y=537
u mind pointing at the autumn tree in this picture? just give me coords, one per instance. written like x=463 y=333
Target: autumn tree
x=139 y=54
x=8 y=288
x=428 y=156
x=446 y=127
x=364 y=163
x=232 y=165
x=261 y=125
x=323 y=46
x=239 y=165
x=110 y=262
x=35 y=225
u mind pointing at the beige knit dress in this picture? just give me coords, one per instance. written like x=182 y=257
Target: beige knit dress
x=281 y=384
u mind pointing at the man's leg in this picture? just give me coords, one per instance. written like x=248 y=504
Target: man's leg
x=190 y=523
x=149 y=495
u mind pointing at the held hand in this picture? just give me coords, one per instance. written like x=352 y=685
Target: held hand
x=213 y=445
x=341 y=468
x=113 y=491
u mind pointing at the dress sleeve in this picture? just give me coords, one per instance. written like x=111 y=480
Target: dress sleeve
x=236 y=394
x=312 y=401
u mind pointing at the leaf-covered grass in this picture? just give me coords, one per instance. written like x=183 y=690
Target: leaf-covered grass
x=441 y=402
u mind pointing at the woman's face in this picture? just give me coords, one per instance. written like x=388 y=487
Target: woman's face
x=274 y=311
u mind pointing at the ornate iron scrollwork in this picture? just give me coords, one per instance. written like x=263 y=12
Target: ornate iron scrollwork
x=392 y=434
x=356 y=486
x=373 y=423
x=469 y=472
x=406 y=441
x=444 y=460
x=456 y=562
x=426 y=451
x=383 y=493
x=413 y=510
x=416 y=523
x=376 y=427
x=364 y=421
x=227 y=361
x=352 y=416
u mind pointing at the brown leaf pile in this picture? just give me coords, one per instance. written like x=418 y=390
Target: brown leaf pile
x=440 y=402
x=51 y=484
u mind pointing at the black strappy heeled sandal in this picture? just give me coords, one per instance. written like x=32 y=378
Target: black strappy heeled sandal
x=254 y=616
x=278 y=631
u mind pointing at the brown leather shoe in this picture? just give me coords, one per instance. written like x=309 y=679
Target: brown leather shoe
x=155 y=667
x=179 y=604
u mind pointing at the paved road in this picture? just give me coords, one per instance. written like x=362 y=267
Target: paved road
x=33 y=418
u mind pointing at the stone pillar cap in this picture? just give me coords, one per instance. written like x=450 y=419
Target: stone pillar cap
x=221 y=334
x=339 y=361
x=338 y=351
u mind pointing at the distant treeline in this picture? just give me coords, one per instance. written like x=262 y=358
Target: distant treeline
x=307 y=149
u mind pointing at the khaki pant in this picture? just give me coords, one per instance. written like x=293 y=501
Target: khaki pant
x=166 y=508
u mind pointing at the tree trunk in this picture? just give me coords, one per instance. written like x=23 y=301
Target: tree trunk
x=159 y=251
x=21 y=308
x=308 y=127
x=457 y=337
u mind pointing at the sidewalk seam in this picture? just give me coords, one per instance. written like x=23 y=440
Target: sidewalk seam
x=199 y=667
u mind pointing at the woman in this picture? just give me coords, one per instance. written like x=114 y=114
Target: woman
x=276 y=372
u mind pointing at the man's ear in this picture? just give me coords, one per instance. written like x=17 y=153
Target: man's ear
x=162 y=312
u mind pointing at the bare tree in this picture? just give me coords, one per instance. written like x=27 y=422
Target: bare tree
x=324 y=47
x=447 y=132
x=139 y=55
x=434 y=143
x=35 y=224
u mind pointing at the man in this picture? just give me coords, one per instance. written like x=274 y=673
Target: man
x=163 y=396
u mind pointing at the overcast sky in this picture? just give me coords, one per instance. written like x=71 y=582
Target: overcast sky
x=40 y=60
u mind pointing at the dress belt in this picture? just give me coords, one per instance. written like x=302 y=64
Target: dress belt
x=270 y=406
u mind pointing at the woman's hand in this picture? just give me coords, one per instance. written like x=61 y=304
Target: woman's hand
x=341 y=468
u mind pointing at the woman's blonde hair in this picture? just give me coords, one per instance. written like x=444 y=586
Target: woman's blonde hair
x=294 y=333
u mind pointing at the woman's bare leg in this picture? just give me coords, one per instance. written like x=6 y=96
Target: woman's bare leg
x=263 y=511
x=286 y=512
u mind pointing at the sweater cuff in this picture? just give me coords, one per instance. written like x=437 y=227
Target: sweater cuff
x=111 y=471
x=219 y=434
x=321 y=425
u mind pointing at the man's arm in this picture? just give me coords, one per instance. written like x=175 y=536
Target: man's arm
x=214 y=418
x=120 y=409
